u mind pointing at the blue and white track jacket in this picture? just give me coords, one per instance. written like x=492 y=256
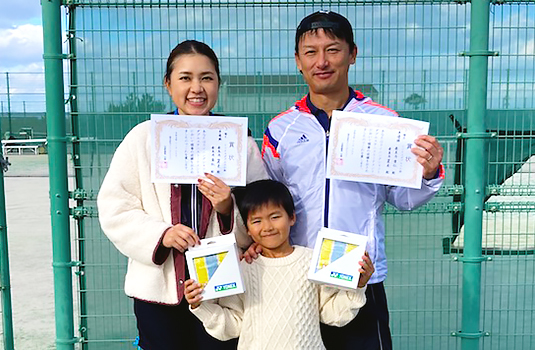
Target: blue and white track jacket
x=294 y=151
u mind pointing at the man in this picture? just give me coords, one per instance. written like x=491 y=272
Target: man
x=294 y=151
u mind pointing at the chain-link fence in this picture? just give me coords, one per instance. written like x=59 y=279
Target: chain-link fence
x=413 y=57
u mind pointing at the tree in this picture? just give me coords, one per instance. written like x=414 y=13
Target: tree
x=134 y=103
x=415 y=100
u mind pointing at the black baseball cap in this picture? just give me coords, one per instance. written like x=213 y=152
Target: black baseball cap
x=332 y=22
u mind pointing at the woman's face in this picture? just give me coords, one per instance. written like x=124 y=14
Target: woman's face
x=193 y=84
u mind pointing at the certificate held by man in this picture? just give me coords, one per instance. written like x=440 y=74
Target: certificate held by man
x=375 y=149
x=184 y=148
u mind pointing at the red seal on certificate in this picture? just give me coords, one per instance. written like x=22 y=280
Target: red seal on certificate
x=339 y=161
x=163 y=165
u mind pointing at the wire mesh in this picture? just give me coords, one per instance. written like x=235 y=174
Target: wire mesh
x=22 y=104
x=408 y=60
x=509 y=231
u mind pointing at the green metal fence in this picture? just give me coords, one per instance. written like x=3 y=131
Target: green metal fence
x=22 y=104
x=6 y=311
x=21 y=116
x=427 y=59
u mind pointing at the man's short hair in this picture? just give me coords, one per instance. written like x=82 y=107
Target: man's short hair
x=332 y=23
x=263 y=192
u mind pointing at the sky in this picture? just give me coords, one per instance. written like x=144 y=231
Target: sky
x=21 y=36
x=21 y=52
x=396 y=46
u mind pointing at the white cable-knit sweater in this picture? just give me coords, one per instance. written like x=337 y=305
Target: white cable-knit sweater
x=281 y=308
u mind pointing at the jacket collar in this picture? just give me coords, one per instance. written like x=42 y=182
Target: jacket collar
x=306 y=105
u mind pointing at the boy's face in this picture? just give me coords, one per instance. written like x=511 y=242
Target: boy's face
x=269 y=226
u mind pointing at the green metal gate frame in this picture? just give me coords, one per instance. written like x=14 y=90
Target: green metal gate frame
x=5 y=280
x=59 y=194
x=475 y=189
x=476 y=179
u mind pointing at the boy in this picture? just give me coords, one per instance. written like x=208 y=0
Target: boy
x=280 y=309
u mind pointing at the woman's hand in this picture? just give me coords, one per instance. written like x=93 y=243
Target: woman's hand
x=180 y=237
x=252 y=253
x=217 y=192
x=192 y=292
x=366 y=270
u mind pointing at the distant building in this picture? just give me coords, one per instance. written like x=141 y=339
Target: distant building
x=267 y=94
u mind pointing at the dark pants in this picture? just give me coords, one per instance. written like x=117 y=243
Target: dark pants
x=164 y=327
x=368 y=331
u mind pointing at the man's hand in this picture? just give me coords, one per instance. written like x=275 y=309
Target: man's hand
x=217 y=192
x=180 y=237
x=429 y=153
x=366 y=270
x=192 y=292
x=252 y=253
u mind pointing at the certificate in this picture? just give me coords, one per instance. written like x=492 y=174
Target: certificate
x=186 y=147
x=374 y=148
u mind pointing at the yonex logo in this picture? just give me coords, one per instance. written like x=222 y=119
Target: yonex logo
x=224 y=287
x=341 y=276
x=302 y=139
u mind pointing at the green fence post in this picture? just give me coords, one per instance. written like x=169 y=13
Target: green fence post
x=76 y=151
x=5 y=284
x=476 y=170
x=57 y=160
x=8 y=105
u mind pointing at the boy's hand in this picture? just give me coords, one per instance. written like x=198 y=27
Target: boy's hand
x=366 y=270
x=217 y=192
x=192 y=292
x=180 y=237
x=251 y=253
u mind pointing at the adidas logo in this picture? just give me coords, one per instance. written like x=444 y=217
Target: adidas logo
x=302 y=139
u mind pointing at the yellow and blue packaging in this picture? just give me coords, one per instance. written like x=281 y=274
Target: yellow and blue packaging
x=336 y=257
x=215 y=264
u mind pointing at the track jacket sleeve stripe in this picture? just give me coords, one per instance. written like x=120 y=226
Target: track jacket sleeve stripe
x=271 y=143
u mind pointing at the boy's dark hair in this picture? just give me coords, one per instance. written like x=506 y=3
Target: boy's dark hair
x=263 y=192
x=334 y=25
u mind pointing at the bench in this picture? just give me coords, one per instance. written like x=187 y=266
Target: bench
x=19 y=146
x=6 y=149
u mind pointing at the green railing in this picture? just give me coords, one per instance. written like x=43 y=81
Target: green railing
x=460 y=268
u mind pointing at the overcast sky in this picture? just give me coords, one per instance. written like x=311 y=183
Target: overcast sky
x=21 y=36
x=21 y=46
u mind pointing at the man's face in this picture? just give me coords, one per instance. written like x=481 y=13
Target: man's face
x=324 y=62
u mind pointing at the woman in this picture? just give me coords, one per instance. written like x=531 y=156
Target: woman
x=151 y=223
